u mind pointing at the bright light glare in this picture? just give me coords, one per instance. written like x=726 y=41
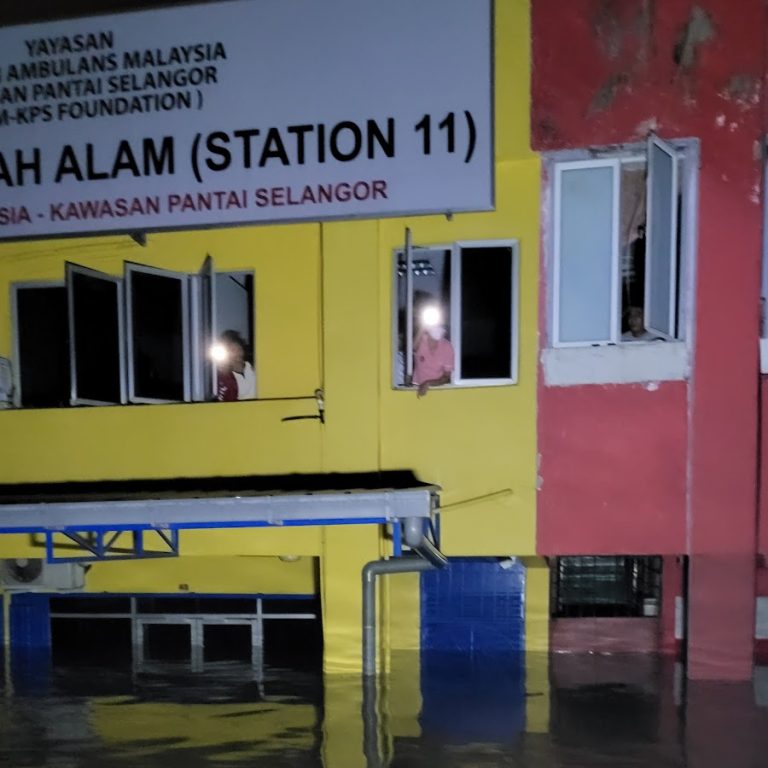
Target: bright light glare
x=218 y=353
x=431 y=316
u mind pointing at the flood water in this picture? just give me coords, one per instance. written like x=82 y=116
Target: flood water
x=431 y=711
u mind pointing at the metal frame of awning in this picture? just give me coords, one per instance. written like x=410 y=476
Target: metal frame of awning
x=95 y=528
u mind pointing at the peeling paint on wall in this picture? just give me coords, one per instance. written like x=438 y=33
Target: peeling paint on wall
x=547 y=130
x=698 y=31
x=606 y=95
x=743 y=89
x=624 y=36
x=645 y=29
x=646 y=127
x=608 y=29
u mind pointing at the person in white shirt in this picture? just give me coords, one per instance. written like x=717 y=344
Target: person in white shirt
x=237 y=367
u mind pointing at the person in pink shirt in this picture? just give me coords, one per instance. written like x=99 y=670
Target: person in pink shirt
x=433 y=356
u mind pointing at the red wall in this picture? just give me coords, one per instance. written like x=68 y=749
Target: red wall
x=763 y=510
x=604 y=635
x=613 y=462
x=604 y=71
x=608 y=71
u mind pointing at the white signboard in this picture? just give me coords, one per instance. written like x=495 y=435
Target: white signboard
x=246 y=111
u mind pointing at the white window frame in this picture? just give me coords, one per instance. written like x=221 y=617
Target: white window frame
x=654 y=142
x=616 y=161
x=637 y=361
x=202 y=337
x=455 y=249
x=192 y=336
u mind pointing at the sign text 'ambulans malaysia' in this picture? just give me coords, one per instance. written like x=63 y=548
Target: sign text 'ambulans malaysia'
x=247 y=111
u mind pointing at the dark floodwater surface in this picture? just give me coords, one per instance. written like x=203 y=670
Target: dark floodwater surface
x=605 y=711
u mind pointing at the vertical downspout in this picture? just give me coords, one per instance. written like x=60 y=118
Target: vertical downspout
x=370 y=572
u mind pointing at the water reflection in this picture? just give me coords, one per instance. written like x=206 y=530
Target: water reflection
x=445 y=710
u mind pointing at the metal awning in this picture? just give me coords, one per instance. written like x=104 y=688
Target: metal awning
x=188 y=503
x=93 y=517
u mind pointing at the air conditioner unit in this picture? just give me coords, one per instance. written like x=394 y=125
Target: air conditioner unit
x=35 y=575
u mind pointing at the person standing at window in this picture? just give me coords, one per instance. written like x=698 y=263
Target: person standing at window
x=236 y=377
x=433 y=357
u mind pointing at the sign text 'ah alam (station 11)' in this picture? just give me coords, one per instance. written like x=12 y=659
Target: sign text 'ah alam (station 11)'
x=235 y=112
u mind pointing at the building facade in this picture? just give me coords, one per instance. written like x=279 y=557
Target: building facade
x=320 y=309
x=615 y=464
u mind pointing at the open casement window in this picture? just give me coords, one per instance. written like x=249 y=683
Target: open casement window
x=661 y=237
x=204 y=331
x=474 y=287
x=158 y=334
x=41 y=345
x=96 y=337
x=616 y=248
x=423 y=281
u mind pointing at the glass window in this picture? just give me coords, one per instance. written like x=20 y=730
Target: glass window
x=234 y=327
x=455 y=314
x=486 y=313
x=96 y=336
x=585 y=247
x=617 y=248
x=157 y=334
x=152 y=336
x=42 y=346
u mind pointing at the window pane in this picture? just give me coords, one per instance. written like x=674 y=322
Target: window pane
x=431 y=308
x=95 y=335
x=156 y=303
x=431 y=286
x=661 y=258
x=632 y=237
x=43 y=342
x=486 y=312
x=431 y=278
x=586 y=253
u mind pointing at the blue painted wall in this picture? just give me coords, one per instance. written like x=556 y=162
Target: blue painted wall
x=474 y=605
x=472 y=661
x=30 y=620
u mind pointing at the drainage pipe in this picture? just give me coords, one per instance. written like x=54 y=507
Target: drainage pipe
x=370 y=572
x=430 y=557
x=413 y=534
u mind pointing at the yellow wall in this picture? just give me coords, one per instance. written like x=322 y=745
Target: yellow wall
x=223 y=575
x=323 y=318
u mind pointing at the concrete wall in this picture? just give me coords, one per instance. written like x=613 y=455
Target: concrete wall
x=323 y=319
x=669 y=468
